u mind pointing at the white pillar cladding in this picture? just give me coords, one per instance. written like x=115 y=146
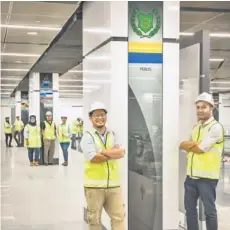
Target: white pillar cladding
x=18 y=103
x=171 y=22
x=56 y=111
x=105 y=71
x=34 y=95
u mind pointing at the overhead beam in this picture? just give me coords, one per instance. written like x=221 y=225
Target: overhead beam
x=204 y=9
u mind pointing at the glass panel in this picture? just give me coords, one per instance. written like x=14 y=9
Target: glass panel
x=145 y=116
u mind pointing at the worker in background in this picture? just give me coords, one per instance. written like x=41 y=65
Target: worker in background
x=101 y=171
x=8 y=132
x=64 y=134
x=75 y=131
x=18 y=129
x=49 y=136
x=80 y=132
x=32 y=134
x=203 y=168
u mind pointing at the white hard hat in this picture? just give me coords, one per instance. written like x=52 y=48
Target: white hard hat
x=48 y=113
x=205 y=97
x=96 y=106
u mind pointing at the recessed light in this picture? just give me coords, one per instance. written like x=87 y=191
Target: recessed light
x=20 y=54
x=31 y=27
x=18 y=61
x=32 y=33
x=38 y=21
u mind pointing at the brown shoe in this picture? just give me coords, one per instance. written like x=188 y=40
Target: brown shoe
x=36 y=163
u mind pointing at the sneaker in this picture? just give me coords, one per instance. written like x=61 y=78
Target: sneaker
x=36 y=163
x=31 y=164
x=65 y=163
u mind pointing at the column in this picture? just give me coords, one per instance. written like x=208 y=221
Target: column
x=171 y=25
x=105 y=71
x=43 y=97
x=18 y=104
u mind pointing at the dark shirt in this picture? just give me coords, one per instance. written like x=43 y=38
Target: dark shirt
x=43 y=125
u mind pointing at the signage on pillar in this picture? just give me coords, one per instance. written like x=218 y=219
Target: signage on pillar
x=46 y=94
x=24 y=107
x=145 y=115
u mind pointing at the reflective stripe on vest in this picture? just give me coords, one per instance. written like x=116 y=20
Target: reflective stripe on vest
x=49 y=131
x=34 y=136
x=7 y=128
x=205 y=165
x=63 y=129
x=101 y=175
x=18 y=125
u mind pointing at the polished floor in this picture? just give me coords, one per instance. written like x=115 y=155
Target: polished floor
x=40 y=198
x=51 y=198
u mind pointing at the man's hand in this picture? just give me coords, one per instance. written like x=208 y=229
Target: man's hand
x=188 y=145
x=27 y=142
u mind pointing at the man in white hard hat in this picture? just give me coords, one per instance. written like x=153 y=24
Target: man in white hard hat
x=49 y=136
x=101 y=171
x=203 y=168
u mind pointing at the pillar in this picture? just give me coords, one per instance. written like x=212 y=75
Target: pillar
x=43 y=97
x=105 y=71
x=18 y=103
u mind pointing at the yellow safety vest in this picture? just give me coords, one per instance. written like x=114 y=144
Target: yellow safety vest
x=205 y=165
x=101 y=175
x=18 y=125
x=7 y=128
x=63 y=129
x=34 y=136
x=49 y=132
x=75 y=128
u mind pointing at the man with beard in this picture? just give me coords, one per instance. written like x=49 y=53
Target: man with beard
x=49 y=136
x=32 y=134
x=101 y=171
x=8 y=132
x=203 y=168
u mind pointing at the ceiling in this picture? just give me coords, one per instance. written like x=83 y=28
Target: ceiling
x=215 y=17
x=61 y=51
x=22 y=47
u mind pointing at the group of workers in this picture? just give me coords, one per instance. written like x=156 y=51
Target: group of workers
x=101 y=165
x=34 y=136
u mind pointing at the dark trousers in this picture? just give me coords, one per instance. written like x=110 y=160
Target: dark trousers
x=64 y=147
x=74 y=140
x=18 y=137
x=33 y=154
x=8 y=139
x=206 y=190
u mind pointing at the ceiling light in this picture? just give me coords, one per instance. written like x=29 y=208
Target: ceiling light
x=38 y=21
x=32 y=33
x=20 y=55
x=30 y=27
x=97 y=58
x=74 y=90
x=71 y=94
x=220 y=88
x=6 y=93
x=216 y=59
x=98 y=30
x=17 y=70
x=90 y=71
x=212 y=35
x=220 y=82
x=19 y=61
x=11 y=85
x=85 y=80
x=80 y=86
x=11 y=78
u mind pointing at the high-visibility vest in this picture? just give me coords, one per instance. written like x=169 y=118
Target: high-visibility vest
x=101 y=175
x=18 y=125
x=7 y=128
x=49 y=132
x=205 y=165
x=75 y=127
x=64 y=129
x=34 y=136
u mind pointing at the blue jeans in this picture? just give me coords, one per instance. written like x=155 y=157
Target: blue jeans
x=64 y=147
x=206 y=190
x=31 y=152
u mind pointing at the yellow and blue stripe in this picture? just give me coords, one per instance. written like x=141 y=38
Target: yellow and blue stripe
x=145 y=52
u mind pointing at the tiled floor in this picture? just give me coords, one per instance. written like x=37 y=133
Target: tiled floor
x=40 y=198
x=51 y=198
